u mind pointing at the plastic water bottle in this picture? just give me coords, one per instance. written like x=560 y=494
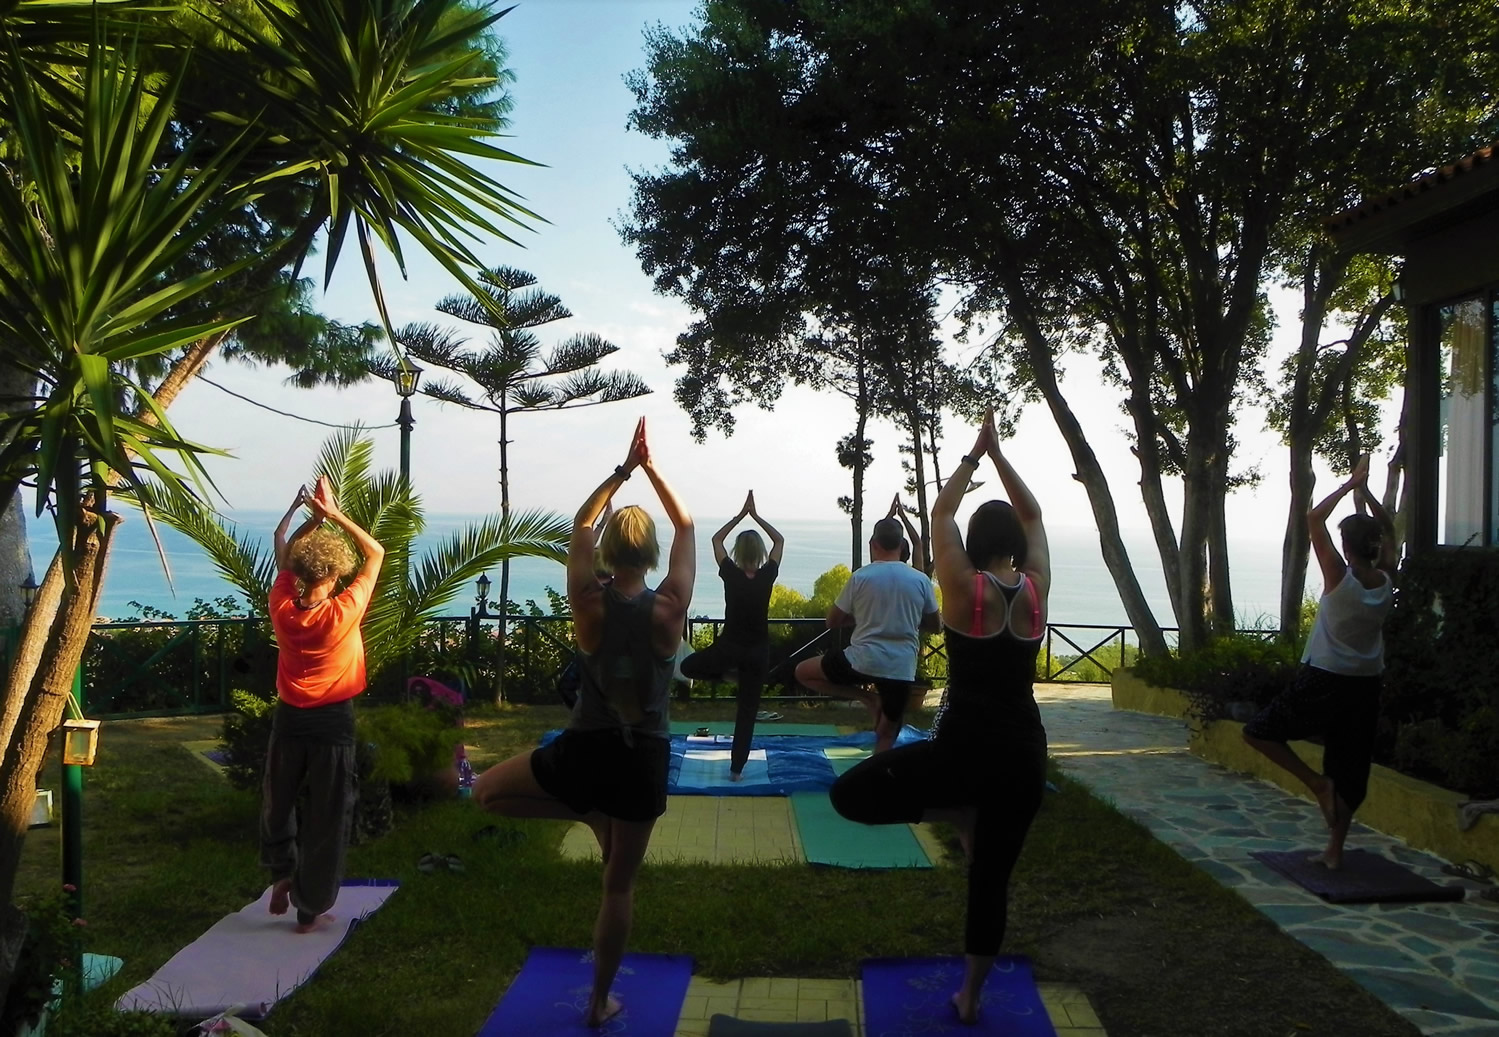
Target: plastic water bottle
x=465 y=772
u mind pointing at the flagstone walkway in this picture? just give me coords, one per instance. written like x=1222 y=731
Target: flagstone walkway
x=1435 y=964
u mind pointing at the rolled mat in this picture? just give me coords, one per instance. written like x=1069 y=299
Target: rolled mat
x=252 y=958
x=914 y=995
x=549 y=995
x=828 y=838
x=1364 y=878
x=728 y=1026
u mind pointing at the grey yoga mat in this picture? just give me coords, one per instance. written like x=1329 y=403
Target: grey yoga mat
x=250 y=958
x=1364 y=878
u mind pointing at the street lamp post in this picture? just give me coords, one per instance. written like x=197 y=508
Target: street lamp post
x=406 y=377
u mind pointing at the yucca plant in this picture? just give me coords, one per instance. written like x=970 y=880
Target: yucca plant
x=384 y=505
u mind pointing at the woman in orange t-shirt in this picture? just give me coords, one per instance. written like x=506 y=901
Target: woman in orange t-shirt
x=319 y=670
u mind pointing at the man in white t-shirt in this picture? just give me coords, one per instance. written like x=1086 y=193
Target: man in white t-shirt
x=889 y=604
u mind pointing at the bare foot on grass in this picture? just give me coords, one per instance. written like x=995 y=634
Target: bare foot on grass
x=599 y=1016
x=967 y=1009
x=281 y=897
x=320 y=922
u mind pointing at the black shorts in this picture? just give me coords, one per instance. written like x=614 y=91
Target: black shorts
x=596 y=770
x=1342 y=710
x=894 y=694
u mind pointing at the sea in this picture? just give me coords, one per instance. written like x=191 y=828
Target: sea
x=1082 y=591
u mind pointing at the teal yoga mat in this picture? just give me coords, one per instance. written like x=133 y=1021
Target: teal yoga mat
x=764 y=727
x=830 y=839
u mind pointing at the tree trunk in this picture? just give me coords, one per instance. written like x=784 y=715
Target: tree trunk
x=1192 y=564
x=184 y=369
x=1089 y=472
x=16 y=387
x=918 y=464
x=1222 y=599
x=861 y=406
x=41 y=680
x=1296 y=547
x=499 y=680
x=1152 y=492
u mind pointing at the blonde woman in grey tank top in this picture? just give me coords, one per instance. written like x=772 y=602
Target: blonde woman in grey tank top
x=1336 y=693
x=609 y=768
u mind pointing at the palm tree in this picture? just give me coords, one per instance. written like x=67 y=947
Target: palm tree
x=380 y=502
x=345 y=114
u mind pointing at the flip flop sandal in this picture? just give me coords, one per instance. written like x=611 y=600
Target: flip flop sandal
x=453 y=864
x=1472 y=870
x=427 y=863
x=765 y=714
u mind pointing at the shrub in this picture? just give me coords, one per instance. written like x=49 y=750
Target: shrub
x=1232 y=668
x=410 y=742
x=1440 y=709
x=47 y=953
x=245 y=737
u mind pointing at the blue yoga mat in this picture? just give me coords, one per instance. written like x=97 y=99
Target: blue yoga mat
x=914 y=995
x=550 y=994
x=790 y=763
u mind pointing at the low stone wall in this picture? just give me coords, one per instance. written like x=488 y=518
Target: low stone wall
x=1418 y=813
x=1132 y=693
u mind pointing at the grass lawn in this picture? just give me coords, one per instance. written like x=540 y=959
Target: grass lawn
x=1157 y=945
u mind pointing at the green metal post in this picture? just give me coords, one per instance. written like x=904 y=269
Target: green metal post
x=72 y=834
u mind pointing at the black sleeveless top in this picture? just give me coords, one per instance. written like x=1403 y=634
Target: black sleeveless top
x=746 y=601
x=989 y=683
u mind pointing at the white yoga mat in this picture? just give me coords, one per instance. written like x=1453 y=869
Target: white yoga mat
x=251 y=958
x=709 y=768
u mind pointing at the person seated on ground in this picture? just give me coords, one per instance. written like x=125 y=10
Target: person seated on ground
x=319 y=670
x=609 y=768
x=743 y=644
x=984 y=767
x=889 y=605
x=1336 y=691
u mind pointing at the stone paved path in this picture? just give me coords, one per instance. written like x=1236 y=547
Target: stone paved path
x=1435 y=964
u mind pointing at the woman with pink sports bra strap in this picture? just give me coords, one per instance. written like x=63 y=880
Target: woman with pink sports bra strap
x=984 y=767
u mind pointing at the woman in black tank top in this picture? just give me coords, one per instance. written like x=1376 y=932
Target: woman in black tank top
x=609 y=768
x=984 y=768
x=743 y=645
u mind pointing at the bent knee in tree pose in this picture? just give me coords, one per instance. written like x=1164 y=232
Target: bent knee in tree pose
x=984 y=767
x=319 y=670
x=1336 y=691
x=609 y=768
x=889 y=604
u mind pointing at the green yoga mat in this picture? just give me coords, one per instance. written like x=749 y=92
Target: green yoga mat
x=764 y=727
x=830 y=839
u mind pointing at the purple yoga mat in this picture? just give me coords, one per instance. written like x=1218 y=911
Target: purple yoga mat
x=251 y=958
x=914 y=996
x=1364 y=877
x=550 y=994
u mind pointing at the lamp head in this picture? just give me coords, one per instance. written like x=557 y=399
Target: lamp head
x=483 y=584
x=29 y=588
x=406 y=378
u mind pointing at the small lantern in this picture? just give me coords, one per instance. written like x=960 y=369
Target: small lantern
x=28 y=590
x=482 y=583
x=80 y=742
x=406 y=378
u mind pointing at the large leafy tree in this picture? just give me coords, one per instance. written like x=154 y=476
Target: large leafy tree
x=350 y=115
x=511 y=373
x=410 y=590
x=1107 y=181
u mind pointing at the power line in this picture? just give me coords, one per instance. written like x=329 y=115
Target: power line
x=288 y=414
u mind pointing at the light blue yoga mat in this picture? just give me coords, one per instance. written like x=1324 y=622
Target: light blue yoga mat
x=764 y=727
x=828 y=838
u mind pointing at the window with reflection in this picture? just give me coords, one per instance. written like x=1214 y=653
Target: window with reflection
x=1464 y=421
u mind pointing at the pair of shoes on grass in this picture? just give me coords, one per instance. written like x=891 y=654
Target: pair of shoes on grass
x=499 y=836
x=434 y=861
x=766 y=714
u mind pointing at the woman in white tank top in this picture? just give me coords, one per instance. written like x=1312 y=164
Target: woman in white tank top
x=1336 y=693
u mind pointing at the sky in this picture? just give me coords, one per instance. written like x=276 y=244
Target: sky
x=569 y=59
